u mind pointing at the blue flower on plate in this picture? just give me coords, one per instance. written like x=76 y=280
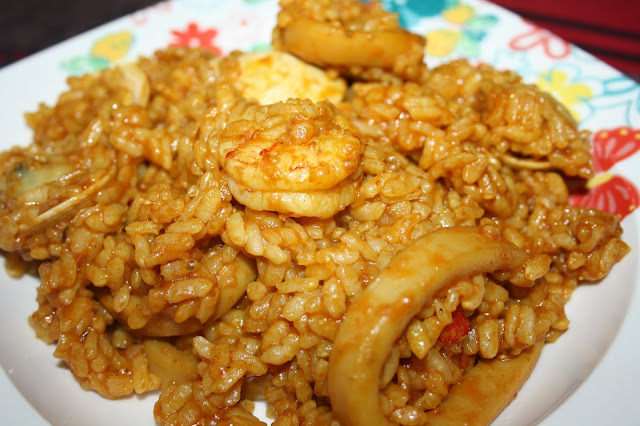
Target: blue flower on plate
x=474 y=32
x=622 y=95
x=463 y=33
x=79 y=65
x=107 y=50
x=260 y=47
x=411 y=11
x=517 y=61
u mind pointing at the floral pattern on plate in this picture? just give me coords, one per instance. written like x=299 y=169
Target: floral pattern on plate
x=608 y=191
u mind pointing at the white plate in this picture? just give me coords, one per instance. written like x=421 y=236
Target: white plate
x=597 y=356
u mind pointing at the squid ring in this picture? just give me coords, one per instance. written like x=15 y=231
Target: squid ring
x=377 y=318
x=323 y=44
x=486 y=390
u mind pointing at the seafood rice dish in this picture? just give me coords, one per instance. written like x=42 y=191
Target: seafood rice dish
x=332 y=227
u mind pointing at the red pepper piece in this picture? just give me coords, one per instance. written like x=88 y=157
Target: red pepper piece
x=458 y=328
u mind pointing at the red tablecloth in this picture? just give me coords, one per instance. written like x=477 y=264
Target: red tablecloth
x=609 y=29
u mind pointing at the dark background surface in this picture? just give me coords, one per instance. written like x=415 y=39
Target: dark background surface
x=27 y=26
x=609 y=29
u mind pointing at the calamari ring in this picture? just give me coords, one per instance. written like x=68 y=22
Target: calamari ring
x=379 y=315
x=486 y=390
x=323 y=44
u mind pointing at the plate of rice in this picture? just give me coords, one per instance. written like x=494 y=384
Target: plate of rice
x=320 y=213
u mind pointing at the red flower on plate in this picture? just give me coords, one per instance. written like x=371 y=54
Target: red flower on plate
x=194 y=36
x=606 y=191
x=554 y=47
x=612 y=146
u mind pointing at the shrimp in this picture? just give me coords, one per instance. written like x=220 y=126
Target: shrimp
x=349 y=35
x=296 y=157
x=322 y=204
